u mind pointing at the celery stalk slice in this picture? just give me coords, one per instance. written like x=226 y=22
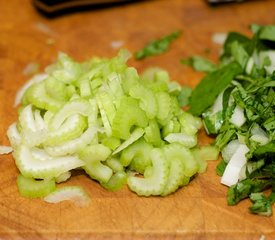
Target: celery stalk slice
x=155 y=183
x=137 y=133
x=31 y=188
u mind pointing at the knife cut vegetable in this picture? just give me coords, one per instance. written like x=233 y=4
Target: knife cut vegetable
x=157 y=46
x=101 y=116
x=236 y=102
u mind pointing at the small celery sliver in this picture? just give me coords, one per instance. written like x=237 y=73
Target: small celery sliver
x=73 y=193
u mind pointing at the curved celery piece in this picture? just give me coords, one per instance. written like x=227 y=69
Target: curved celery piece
x=71 y=128
x=164 y=106
x=189 y=124
x=116 y=182
x=37 y=95
x=135 y=135
x=156 y=79
x=204 y=154
x=147 y=100
x=14 y=135
x=128 y=115
x=155 y=183
x=33 y=128
x=186 y=140
x=45 y=166
x=115 y=164
x=63 y=177
x=173 y=126
x=139 y=152
x=72 y=193
x=56 y=89
x=77 y=106
x=177 y=150
x=176 y=169
x=152 y=133
x=65 y=69
x=74 y=145
x=31 y=188
x=93 y=156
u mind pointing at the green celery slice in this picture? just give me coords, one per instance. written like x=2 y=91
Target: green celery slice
x=139 y=152
x=164 y=106
x=31 y=188
x=135 y=135
x=147 y=99
x=128 y=115
x=155 y=183
x=186 y=140
x=176 y=170
x=116 y=182
x=152 y=133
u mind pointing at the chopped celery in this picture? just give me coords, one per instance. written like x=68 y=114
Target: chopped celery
x=74 y=193
x=103 y=117
x=128 y=114
x=31 y=188
x=116 y=182
x=155 y=183
x=50 y=167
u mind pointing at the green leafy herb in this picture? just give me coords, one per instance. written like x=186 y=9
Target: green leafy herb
x=199 y=64
x=244 y=79
x=204 y=95
x=157 y=46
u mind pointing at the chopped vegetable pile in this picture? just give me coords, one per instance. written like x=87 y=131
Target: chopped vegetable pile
x=236 y=100
x=103 y=117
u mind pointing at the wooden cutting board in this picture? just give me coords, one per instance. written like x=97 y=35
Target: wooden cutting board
x=198 y=211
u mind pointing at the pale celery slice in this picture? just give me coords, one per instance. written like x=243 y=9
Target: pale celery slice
x=74 y=145
x=77 y=106
x=31 y=188
x=75 y=194
x=135 y=135
x=51 y=167
x=104 y=118
x=155 y=183
x=189 y=123
x=5 y=149
x=185 y=139
x=72 y=128
x=14 y=135
x=33 y=127
x=63 y=177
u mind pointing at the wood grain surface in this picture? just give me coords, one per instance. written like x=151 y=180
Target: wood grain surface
x=198 y=211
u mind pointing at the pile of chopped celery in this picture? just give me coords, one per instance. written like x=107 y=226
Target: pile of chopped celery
x=103 y=117
x=236 y=100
